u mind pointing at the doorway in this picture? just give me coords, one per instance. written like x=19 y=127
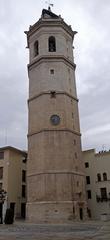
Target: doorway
x=12 y=206
x=81 y=213
x=23 y=210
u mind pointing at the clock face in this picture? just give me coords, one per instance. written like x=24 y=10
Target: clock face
x=55 y=119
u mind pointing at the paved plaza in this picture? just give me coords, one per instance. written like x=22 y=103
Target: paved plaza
x=92 y=230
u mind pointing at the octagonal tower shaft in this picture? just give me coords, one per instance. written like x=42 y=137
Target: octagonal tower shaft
x=55 y=177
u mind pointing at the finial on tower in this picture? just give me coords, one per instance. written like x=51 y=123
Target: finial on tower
x=49 y=5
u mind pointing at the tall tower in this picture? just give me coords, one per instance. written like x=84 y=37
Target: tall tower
x=55 y=177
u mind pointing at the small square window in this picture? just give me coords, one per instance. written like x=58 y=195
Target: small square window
x=86 y=164
x=51 y=71
x=1 y=155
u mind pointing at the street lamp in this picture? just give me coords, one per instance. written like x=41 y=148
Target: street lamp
x=2 y=199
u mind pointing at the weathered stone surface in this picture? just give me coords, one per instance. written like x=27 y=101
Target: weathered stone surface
x=75 y=231
x=55 y=173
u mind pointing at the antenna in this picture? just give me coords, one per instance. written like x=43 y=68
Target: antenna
x=49 y=5
x=5 y=137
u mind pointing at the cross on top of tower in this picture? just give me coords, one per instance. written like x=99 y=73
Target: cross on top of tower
x=49 y=5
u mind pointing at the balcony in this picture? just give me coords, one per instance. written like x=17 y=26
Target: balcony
x=102 y=199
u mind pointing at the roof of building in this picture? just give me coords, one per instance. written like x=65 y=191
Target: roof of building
x=13 y=149
x=100 y=153
x=48 y=12
x=89 y=150
x=49 y=18
x=103 y=152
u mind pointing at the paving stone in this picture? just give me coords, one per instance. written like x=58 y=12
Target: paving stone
x=75 y=231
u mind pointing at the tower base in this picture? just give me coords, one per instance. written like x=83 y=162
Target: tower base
x=56 y=212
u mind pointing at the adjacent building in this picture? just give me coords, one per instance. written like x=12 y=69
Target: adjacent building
x=97 y=170
x=13 y=179
x=55 y=170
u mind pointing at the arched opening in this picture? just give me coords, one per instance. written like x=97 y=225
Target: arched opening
x=36 y=48
x=52 y=44
x=99 y=177
x=105 y=176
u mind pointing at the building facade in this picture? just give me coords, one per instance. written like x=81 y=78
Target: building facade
x=97 y=169
x=13 y=179
x=55 y=171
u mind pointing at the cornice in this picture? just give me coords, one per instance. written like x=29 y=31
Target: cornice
x=49 y=92
x=56 y=172
x=13 y=149
x=54 y=130
x=58 y=202
x=50 y=23
x=50 y=58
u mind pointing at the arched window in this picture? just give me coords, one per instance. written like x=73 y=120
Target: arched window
x=36 y=48
x=99 y=177
x=104 y=176
x=52 y=44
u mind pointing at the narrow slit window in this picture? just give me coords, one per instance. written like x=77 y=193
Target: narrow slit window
x=87 y=179
x=99 y=177
x=1 y=172
x=36 y=48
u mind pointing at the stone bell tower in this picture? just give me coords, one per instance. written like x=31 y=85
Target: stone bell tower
x=55 y=177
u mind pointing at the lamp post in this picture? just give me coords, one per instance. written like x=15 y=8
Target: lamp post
x=2 y=199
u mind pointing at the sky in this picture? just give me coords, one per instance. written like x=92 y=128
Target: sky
x=90 y=18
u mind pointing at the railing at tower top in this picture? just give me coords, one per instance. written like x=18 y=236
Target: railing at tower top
x=102 y=198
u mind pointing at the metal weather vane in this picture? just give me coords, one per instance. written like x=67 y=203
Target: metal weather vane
x=49 y=5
